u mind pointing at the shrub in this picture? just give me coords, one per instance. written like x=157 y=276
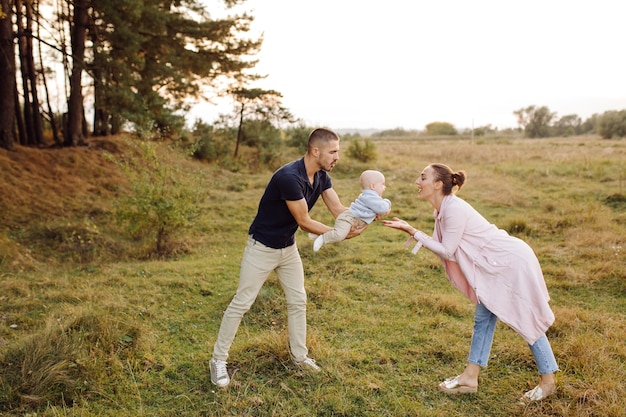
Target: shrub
x=265 y=139
x=612 y=124
x=397 y=132
x=298 y=137
x=160 y=204
x=365 y=152
x=208 y=145
x=270 y=146
x=440 y=129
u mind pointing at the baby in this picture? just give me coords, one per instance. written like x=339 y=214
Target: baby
x=364 y=209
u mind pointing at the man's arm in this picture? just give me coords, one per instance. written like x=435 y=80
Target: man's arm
x=300 y=211
x=331 y=199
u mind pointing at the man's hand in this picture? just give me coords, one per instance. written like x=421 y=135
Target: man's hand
x=355 y=230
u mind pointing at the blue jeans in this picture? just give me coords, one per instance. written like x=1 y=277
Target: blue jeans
x=482 y=339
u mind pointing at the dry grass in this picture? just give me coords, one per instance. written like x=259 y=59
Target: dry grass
x=87 y=330
x=57 y=363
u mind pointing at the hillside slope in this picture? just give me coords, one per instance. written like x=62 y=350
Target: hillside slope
x=48 y=184
x=53 y=202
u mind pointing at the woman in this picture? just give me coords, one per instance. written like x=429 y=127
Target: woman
x=498 y=272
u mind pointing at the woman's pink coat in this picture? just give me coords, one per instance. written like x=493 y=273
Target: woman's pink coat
x=491 y=267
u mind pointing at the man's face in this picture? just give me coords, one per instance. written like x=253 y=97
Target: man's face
x=328 y=155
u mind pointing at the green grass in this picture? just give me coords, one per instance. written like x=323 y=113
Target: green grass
x=86 y=330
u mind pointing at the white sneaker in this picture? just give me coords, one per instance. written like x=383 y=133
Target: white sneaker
x=309 y=365
x=319 y=241
x=219 y=373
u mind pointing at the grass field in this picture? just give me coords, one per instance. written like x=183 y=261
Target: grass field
x=86 y=329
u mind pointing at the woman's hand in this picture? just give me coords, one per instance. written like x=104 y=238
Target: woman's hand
x=397 y=223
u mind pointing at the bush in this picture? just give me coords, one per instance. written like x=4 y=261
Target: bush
x=209 y=149
x=208 y=145
x=269 y=145
x=365 y=152
x=160 y=204
x=395 y=133
x=440 y=129
x=612 y=124
x=298 y=137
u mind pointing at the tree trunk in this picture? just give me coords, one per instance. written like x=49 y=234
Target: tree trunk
x=101 y=125
x=239 y=131
x=74 y=129
x=7 y=78
x=53 y=124
x=26 y=109
x=101 y=116
x=37 y=138
x=21 y=128
x=116 y=124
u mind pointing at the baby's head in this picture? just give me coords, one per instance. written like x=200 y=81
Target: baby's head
x=373 y=180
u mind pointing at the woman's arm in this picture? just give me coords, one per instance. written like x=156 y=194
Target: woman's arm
x=452 y=229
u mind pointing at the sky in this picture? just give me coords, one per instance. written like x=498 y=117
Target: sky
x=357 y=64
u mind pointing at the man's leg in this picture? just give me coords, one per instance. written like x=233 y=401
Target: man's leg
x=257 y=263
x=291 y=277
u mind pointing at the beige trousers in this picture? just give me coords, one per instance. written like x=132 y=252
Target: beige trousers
x=257 y=263
x=343 y=224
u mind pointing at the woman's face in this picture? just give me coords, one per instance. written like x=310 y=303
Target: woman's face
x=427 y=184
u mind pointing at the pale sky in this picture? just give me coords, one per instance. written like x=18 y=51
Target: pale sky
x=348 y=64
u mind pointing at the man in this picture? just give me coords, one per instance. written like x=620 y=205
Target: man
x=289 y=196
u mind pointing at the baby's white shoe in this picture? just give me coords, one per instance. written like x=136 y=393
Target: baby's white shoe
x=319 y=241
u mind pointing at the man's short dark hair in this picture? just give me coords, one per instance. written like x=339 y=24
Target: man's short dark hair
x=321 y=136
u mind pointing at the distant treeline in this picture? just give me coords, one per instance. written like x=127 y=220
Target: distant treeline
x=534 y=122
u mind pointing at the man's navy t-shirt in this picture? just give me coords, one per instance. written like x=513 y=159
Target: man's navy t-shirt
x=274 y=226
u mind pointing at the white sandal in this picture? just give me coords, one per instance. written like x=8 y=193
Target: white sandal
x=538 y=394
